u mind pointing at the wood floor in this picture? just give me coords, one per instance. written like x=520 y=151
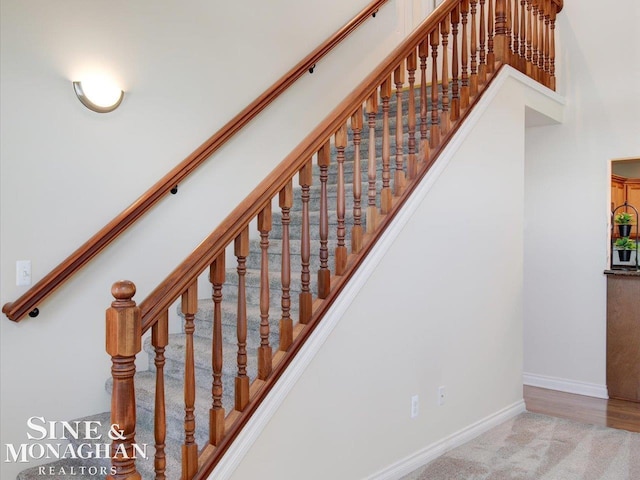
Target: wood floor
x=610 y=413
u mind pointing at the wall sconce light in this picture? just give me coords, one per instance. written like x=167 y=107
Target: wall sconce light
x=98 y=94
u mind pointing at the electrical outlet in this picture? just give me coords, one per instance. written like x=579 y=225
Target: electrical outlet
x=442 y=394
x=23 y=273
x=415 y=406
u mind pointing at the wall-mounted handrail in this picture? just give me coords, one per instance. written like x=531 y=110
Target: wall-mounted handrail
x=25 y=304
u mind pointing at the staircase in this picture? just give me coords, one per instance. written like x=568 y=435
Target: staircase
x=174 y=354
x=234 y=338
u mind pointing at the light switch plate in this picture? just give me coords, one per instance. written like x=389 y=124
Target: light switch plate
x=23 y=273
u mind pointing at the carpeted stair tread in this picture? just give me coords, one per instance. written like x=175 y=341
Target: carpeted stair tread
x=252 y=280
x=175 y=354
x=229 y=312
x=275 y=257
x=174 y=401
x=204 y=318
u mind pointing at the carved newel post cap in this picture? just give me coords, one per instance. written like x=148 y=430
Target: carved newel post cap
x=123 y=290
x=123 y=321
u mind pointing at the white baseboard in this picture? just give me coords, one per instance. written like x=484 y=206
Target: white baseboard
x=565 y=385
x=433 y=451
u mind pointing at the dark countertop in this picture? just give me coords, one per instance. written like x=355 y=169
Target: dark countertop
x=625 y=273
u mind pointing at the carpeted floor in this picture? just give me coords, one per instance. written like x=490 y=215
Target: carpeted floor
x=538 y=447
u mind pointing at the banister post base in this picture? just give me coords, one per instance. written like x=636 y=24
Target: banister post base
x=501 y=39
x=501 y=49
x=123 y=342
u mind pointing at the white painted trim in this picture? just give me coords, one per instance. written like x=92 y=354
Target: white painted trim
x=522 y=78
x=565 y=385
x=433 y=451
x=279 y=392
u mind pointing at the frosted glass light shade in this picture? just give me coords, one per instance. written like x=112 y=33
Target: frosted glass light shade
x=98 y=94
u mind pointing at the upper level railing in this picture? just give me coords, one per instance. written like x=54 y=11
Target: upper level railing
x=403 y=114
x=28 y=302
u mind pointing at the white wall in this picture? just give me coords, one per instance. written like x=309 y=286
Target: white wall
x=187 y=67
x=567 y=195
x=443 y=307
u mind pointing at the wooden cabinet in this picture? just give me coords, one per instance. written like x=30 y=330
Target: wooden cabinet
x=623 y=335
x=617 y=191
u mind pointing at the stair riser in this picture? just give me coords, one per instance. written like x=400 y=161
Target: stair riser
x=314 y=203
x=174 y=408
x=175 y=424
x=332 y=179
x=296 y=233
x=275 y=294
x=275 y=262
x=204 y=328
x=204 y=318
x=174 y=368
x=349 y=151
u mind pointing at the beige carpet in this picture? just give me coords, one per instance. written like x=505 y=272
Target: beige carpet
x=537 y=447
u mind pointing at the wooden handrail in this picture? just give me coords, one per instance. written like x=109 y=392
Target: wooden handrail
x=26 y=303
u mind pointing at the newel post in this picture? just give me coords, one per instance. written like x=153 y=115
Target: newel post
x=501 y=40
x=124 y=339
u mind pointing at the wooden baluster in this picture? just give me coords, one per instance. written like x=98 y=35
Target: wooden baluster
x=324 y=274
x=217 y=274
x=509 y=27
x=529 y=38
x=385 y=194
x=286 y=322
x=372 y=211
x=552 y=48
x=423 y=52
x=123 y=342
x=264 y=351
x=473 y=79
x=455 y=81
x=547 y=42
x=482 y=68
x=445 y=122
x=501 y=38
x=356 y=230
x=435 y=121
x=464 y=79
x=159 y=340
x=534 y=37
x=491 y=56
x=541 y=40
x=241 y=251
x=190 y=447
x=523 y=37
x=305 y=180
x=515 y=57
x=412 y=161
x=399 y=180
x=341 y=249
